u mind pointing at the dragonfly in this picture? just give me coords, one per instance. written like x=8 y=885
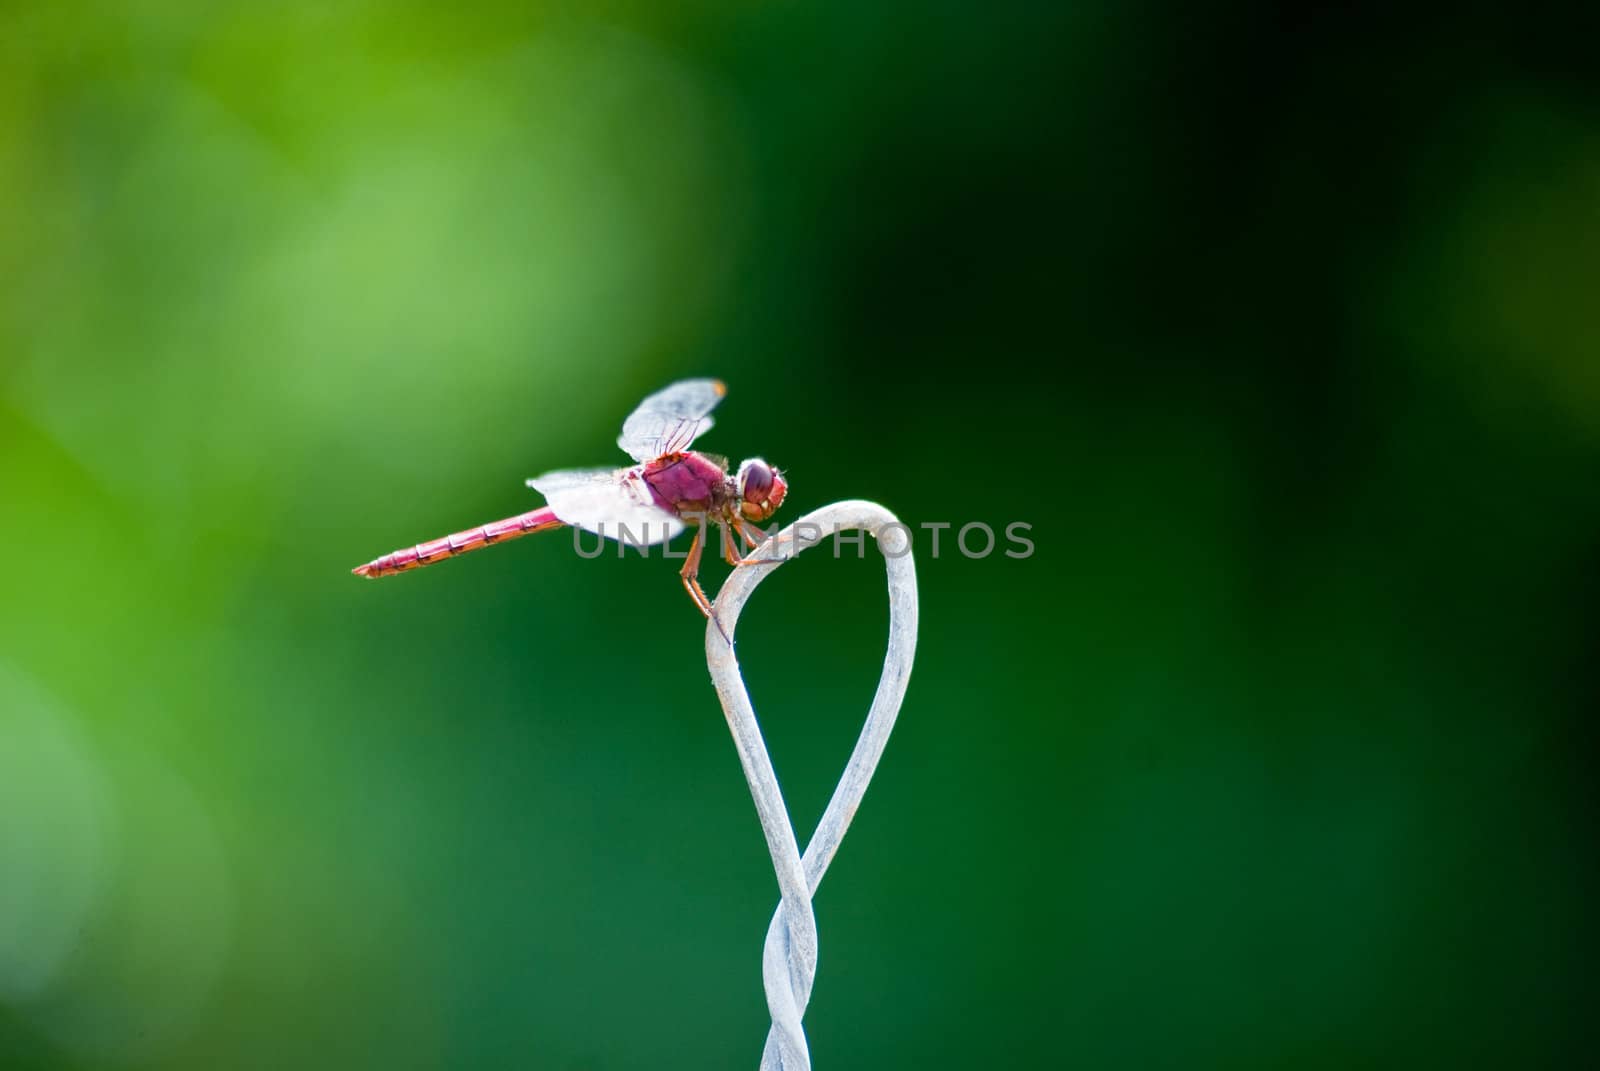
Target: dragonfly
x=669 y=488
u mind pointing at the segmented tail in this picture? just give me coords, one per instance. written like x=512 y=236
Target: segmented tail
x=539 y=520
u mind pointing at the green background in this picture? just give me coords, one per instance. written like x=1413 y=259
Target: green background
x=1279 y=330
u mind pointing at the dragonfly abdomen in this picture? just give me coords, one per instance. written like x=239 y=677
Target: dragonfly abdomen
x=437 y=550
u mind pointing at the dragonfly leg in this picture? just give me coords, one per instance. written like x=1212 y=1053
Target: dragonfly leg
x=690 y=573
x=752 y=542
x=730 y=552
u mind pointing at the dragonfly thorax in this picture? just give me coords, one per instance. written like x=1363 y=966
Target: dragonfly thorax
x=691 y=485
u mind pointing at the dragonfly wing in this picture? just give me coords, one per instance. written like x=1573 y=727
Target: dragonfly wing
x=613 y=503
x=671 y=419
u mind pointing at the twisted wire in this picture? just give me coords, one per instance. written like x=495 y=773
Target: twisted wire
x=789 y=953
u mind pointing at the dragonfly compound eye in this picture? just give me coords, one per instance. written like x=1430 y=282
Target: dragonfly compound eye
x=761 y=489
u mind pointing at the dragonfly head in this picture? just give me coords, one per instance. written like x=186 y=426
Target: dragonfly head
x=761 y=489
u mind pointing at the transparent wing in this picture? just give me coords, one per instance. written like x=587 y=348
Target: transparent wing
x=614 y=503
x=671 y=419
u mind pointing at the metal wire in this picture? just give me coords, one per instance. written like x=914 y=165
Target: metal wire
x=789 y=955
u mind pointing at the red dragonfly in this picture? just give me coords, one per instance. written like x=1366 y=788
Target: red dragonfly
x=651 y=502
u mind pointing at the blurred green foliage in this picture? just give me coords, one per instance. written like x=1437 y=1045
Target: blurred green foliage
x=1279 y=329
